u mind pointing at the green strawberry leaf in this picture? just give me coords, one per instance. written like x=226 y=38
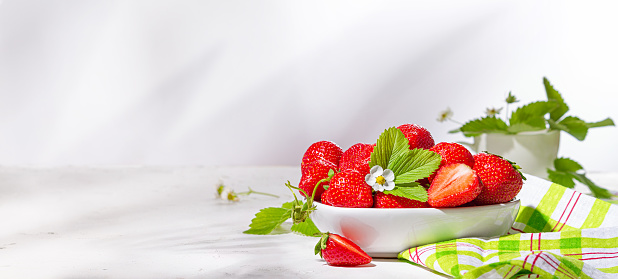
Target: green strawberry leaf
x=415 y=193
x=321 y=244
x=391 y=144
x=554 y=96
x=489 y=124
x=603 y=123
x=414 y=165
x=530 y=117
x=567 y=171
x=572 y=125
x=268 y=219
x=307 y=228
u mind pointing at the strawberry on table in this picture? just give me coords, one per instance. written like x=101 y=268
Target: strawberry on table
x=453 y=185
x=452 y=153
x=501 y=178
x=349 y=189
x=340 y=251
x=382 y=200
x=312 y=173
x=418 y=136
x=357 y=158
x=322 y=150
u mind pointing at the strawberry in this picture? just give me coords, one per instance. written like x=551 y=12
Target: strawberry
x=501 y=178
x=349 y=189
x=453 y=185
x=418 y=136
x=357 y=158
x=340 y=251
x=324 y=199
x=324 y=150
x=452 y=153
x=312 y=173
x=382 y=200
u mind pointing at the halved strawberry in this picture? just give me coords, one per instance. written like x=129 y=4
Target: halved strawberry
x=357 y=158
x=339 y=251
x=453 y=185
x=312 y=173
x=418 y=136
x=452 y=153
x=501 y=178
x=381 y=200
x=349 y=189
x=322 y=150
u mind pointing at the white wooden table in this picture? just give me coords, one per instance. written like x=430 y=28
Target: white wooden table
x=159 y=222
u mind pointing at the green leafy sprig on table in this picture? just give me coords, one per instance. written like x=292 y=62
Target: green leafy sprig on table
x=535 y=116
x=392 y=152
x=567 y=171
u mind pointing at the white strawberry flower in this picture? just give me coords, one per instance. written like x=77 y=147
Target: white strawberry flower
x=380 y=179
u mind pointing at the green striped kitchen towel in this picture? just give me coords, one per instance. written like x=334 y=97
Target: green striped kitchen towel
x=558 y=233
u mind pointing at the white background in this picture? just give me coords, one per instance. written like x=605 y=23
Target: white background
x=256 y=82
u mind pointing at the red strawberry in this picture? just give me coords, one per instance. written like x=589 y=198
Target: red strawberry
x=349 y=189
x=324 y=150
x=381 y=200
x=453 y=185
x=501 y=179
x=340 y=251
x=452 y=153
x=312 y=173
x=357 y=158
x=418 y=136
x=324 y=199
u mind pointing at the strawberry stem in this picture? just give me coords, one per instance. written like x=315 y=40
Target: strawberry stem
x=256 y=192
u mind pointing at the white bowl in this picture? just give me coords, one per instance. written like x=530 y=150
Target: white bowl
x=384 y=233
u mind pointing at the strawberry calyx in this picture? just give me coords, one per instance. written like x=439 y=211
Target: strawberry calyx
x=321 y=244
x=300 y=209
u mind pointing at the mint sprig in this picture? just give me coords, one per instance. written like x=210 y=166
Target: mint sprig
x=392 y=151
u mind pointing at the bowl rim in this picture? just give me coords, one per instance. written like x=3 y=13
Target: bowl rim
x=513 y=202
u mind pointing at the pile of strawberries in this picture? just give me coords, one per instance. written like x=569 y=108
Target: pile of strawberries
x=462 y=179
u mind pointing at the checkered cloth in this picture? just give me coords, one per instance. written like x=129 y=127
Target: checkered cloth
x=558 y=233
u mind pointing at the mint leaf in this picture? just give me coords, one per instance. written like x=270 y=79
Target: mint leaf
x=489 y=124
x=391 y=144
x=414 y=165
x=415 y=193
x=307 y=228
x=554 y=95
x=530 y=117
x=268 y=219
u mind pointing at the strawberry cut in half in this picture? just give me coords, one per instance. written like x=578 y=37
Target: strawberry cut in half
x=337 y=250
x=453 y=185
x=452 y=153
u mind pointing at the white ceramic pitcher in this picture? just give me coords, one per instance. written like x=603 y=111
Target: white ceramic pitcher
x=534 y=152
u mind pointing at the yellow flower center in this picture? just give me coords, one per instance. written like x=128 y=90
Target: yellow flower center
x=380 y=180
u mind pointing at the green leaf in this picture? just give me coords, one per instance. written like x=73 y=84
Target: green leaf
x=530 y=117
x=561 y=177
x=391 y=144
x=567 y=165
x=307 y=228
x=603 y=123
x=268 y=219
x=572 y=125
x=418 y=193
x=597 y=191
x=321 y=244
x=414 y=165
x=554 y=95
x=489 y=124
